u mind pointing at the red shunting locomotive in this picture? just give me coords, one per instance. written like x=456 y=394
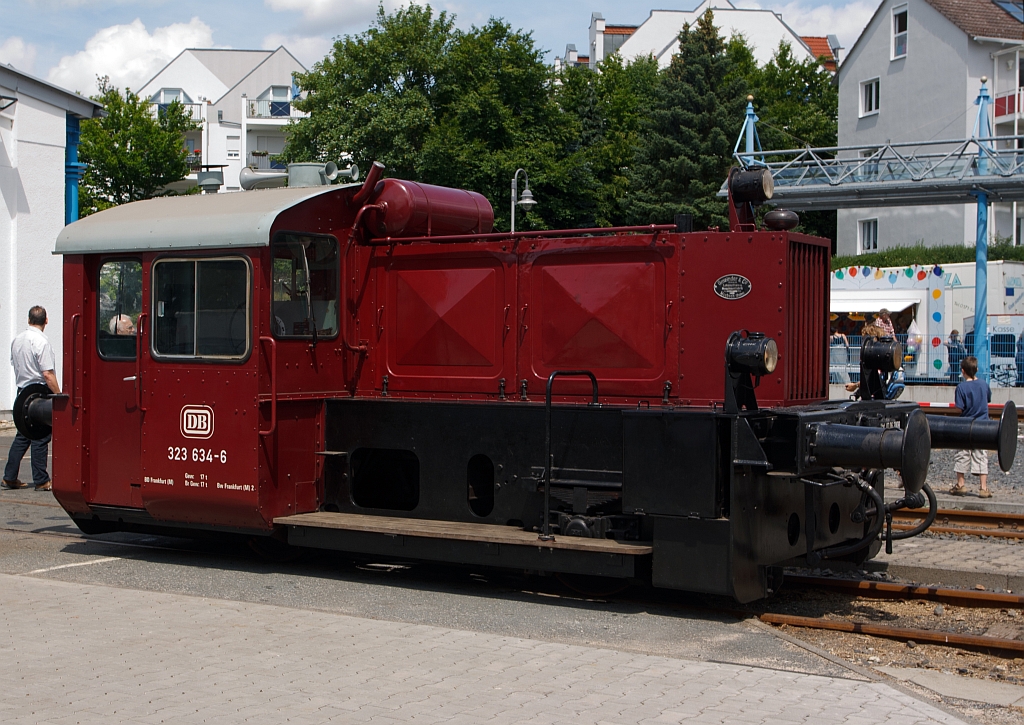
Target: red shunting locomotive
x=370 y=368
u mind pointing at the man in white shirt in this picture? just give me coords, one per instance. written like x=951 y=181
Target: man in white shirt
x=34 y=362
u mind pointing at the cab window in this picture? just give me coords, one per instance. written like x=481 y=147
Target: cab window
x=118 y=308
x=305 y=291
x=201 y=308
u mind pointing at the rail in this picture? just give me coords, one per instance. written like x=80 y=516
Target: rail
x=969 y=523
x=893 y=174
x=928 y=636
x=649 y=228
x=549 y=459
x=888 y=590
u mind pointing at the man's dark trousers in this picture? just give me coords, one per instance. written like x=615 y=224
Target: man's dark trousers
x=39 y=453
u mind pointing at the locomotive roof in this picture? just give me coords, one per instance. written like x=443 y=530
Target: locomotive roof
x=207 y=221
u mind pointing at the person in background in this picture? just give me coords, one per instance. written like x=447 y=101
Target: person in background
x=122 y=325
x=956 y=352
x=884 y=322
x=34 y=362
x=839 y=357
x=972 y=398
x=867 y=332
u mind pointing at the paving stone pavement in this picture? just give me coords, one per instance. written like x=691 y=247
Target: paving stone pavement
x=956 y=562
x=76 y=653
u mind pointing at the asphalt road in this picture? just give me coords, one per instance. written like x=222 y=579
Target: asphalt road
x=38 y=539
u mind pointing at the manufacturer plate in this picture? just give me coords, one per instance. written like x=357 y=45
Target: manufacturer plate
x=732 y=286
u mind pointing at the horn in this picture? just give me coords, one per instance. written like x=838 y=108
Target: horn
x=985 y=434
x=249 y=179
x=332 y=172
x=351 y=173
x=907 y=450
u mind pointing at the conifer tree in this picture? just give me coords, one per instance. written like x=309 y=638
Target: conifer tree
x=686 y=149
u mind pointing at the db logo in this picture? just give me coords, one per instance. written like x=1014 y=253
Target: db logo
x=197 y=421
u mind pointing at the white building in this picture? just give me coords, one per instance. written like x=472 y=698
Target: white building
x=242 y=100
x=659 y=34
x=38 y=123
x=913 y=75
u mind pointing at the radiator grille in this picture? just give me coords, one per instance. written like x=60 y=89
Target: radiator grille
x=807 y=340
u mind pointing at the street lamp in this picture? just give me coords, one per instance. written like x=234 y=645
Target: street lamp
x=526 y=201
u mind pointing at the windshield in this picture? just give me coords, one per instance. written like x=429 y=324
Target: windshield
x=305 y=291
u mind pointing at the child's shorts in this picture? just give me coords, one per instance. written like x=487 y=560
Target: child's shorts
x=975 y=462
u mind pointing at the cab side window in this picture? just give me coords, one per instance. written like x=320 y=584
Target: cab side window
x=305 y=292
x=119 y=305
x=201 y=308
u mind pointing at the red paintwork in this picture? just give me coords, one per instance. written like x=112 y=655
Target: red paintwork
x=439 y=320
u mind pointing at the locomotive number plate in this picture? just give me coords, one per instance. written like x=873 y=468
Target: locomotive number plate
x=732 y=286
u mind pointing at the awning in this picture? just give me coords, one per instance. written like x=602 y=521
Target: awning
x=874 y=300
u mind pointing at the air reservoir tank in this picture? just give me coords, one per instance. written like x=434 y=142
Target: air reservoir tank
x=422 y=210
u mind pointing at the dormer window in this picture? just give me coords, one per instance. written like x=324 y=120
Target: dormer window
x=899 y=32
x=170 y=95
x=276 y=93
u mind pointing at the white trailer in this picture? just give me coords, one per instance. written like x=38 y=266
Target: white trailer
x=937 y=297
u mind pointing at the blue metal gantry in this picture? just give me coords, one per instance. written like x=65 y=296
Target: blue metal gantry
x=978 y=170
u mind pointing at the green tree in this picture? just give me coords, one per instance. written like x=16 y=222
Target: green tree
x=797 y=103
x=687 y=145
x=607 y=110
x=131 y=154
x=449 y=107
x=374 y=95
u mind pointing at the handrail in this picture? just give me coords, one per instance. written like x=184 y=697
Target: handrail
x=549 y=461
x=74 y=357
x=651 y=228
x=141 y=332
x=273 y=385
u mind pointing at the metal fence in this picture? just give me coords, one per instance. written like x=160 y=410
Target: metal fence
x=1007 y=355
x=263 y=161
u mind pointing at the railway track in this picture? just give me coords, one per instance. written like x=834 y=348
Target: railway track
x=970 y=523
x=888 y=590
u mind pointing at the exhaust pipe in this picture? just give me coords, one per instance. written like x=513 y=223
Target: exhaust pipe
x=984 y=434
x=856 y=446
x=369 y=185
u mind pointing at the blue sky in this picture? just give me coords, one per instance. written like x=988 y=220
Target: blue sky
x=69 y=42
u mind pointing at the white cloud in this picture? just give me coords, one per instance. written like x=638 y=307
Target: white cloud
x=808 y=17
x=15 y=51
x=129 y=54
x=330 y=16
x=307 y=48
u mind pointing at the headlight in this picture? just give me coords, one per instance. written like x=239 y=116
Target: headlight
x=754 y=352
x=883 y=354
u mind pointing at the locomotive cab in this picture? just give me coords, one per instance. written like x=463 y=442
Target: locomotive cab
x=370 y=368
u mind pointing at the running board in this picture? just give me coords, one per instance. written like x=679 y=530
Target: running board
x=463 y=543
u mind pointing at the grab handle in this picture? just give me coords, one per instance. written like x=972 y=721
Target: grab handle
x=141 y=333
x=549 y=461
x=76 y=402
x=273 y=385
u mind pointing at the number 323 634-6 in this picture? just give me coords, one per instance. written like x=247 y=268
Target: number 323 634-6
x=197 y=455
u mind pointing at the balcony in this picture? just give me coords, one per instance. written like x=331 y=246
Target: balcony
x=194 y=161
x=262 y=161
x=1008 y=103
x=192 y=110
x=275 y=110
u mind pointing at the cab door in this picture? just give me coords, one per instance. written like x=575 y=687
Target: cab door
x=114 y=432
x=199 y=392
